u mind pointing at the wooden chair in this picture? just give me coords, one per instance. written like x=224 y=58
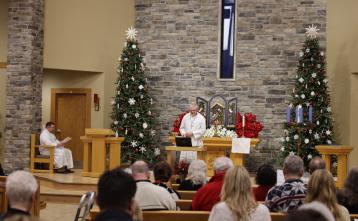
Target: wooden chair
x=36 y=157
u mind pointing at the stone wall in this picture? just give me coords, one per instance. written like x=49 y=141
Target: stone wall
x=24 y=80
x=180 y=42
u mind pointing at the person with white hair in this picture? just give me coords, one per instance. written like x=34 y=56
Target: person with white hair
x=207 y=196
x=193 y=125
x=21 y=187
x=291 y=194
x=196 y=177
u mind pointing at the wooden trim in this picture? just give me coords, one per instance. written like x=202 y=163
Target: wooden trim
x=3 y=64
x=85 y=91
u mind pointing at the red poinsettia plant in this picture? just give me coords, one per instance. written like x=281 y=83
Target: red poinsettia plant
x=177 y=122
x=251 y=128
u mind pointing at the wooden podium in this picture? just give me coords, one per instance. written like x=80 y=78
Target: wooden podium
x=213 y=147
x=95 y=151
x=341 y=152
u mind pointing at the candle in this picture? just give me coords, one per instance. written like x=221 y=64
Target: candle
x=243 y=120
x=301 y=114
x=297 y=115
x=310 y=113
x=288 y=113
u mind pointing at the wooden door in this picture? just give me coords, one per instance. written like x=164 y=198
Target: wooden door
x=71 y=112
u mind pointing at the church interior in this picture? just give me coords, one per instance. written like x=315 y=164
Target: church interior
x=67 y=62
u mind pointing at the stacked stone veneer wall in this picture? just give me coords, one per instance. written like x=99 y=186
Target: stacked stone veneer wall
x=180 y=42
x=24 y=80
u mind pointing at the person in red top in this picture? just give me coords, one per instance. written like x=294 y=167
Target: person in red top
x=266 y=178
x=207 y=196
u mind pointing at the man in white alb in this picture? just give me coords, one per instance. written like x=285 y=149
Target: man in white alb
x=63 y=156
x=193 y=125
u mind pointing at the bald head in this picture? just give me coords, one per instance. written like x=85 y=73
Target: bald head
x=316 y=163
x=140 y=170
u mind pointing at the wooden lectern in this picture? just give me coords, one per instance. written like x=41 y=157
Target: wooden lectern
x=342 y=155
x=95 y=151
x=213 y=147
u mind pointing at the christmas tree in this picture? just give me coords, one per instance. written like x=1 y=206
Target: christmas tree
x=132 y=116
x=309 y=117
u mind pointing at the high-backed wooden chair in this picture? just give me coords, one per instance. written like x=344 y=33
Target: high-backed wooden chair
x=36 y=157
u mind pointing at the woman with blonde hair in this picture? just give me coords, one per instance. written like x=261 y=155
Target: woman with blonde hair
x=237 y=201
x=321 y=188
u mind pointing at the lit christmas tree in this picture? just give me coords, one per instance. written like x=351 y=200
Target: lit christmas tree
x=309 y=116
x=131 y=115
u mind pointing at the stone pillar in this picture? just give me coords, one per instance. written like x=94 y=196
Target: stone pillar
x=24 y=80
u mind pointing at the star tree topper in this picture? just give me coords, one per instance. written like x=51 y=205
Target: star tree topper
x=312 y=31
x=131 y=33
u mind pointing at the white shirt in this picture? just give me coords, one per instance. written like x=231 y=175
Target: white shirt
x=49 y=139
x=221 y=212
x=151 y=197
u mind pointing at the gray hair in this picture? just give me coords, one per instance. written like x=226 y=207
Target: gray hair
x=316 y=163
x=194 y=105
x=221 y=164
x=197 y=172
x=20 y=187
x=140 y=167
x=293 y=165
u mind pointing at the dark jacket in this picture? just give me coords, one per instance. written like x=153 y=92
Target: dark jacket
x=189 y=185
x=12 y=212
x=113 y=215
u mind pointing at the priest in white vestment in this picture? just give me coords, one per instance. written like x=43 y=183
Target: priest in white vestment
x=63 y=156
x=193 y=125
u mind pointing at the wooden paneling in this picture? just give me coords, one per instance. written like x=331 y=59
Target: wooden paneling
x=71 y=112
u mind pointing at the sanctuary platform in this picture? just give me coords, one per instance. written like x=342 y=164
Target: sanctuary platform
x=64 y=188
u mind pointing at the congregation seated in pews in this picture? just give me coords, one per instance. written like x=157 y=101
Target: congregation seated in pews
x=229 y=194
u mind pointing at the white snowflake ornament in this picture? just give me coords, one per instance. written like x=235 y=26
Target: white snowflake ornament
x=307 y=141
x=316 y=136
x=153 y=132
x=296 y=137
x=287 y=139
x=115 y=122
x=156 y=151
x=301 y=54
x=301 y=80
x=131 y=101
x=328 y=132
x=145 y=125
x=309 y=156
x=134 y=46
x=322 y=53
x=282 y=149
x=314 y=75
x=149 y=113
x=312 y=93
x=136 y=115
x=132 y=78
x=312 y=31
x=131 y=33
x=125 y=116
x=140 y=87
x=142 y=149
x=127 y=86
x=303 y=96
x=292 y=153
x=141 y=135
x=329 y=142
x=134 y=143
x=329 y=109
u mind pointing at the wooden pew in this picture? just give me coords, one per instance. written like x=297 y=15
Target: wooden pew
x=184 y=204
x=186 y=195
x=175 y=215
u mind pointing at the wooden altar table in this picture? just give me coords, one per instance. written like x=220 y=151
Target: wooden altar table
x=213 y=147
x=95 y=151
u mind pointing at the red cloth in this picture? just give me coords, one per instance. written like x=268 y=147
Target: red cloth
x=207 y=196
x=260 y=192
